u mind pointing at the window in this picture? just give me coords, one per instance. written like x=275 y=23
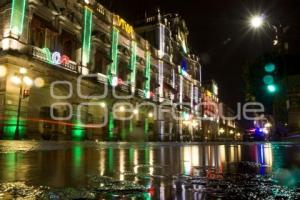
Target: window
x=140 y=79
x=100 y=61
x=68 y=44
x=123 y=71
x=38 y=32
x=43 y=34
x=153 y=82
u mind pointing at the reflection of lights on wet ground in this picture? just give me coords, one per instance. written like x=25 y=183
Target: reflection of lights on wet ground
x=102 y=162
x=222 y=155
x=11 y=163
x=77 y=155
x=187 y=160
x=239 y=152
x=110 y=159
x=122 y=164
x=151 y=161
x=213 y=158
x=162 y=191
x=232 y=154
x=135 y=163
x=265 y=156
x=195 y=155
x=269 y=154
x=190 y=158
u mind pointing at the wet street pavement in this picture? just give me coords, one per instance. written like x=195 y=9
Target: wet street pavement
x=88 y=170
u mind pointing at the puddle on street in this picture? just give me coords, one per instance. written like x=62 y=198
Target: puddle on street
x=32 y=170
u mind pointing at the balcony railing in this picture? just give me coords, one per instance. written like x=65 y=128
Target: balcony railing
x=140 y=93
x=101 y=78
x=125 y=88
x=41 y=54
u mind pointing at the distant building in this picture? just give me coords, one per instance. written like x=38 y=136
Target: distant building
x=228 y=127
x=210 y=110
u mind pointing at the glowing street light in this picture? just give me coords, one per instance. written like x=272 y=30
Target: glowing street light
x=28 y=81
x=22 y=81
x=135 y=111
x=221 y=130
x=23 y=70
x=16 y=80
x=268 y=125
x=103 y=104
x=257 y=21
x=3 y=71
x=121 y=108
x=150 y=115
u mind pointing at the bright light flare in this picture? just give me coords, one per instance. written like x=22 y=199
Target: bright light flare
x=121 y=108
x=39 y=82
x=16 y=80
x=135 y=111
x=23 y=70
x=150 y=115
x=28 y=81
x=268 y=125
x=271 y=88
x=103 y=104
x=257 y=21
x=3 y=71
x=221 y=130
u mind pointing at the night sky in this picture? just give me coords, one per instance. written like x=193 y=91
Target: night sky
x=220 y=34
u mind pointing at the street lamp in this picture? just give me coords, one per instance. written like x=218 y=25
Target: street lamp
x=257 y=21
x=21 y=80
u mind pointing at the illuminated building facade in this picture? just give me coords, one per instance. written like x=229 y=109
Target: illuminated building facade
x=228 y=127
x=56 y=42
x=179 y=74
x=210 y=109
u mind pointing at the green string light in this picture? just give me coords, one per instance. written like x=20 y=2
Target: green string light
x=77 y=131
x=133 y=62
x=147 y=75
x=86 y=46
x=114 y=55
x=17 y=16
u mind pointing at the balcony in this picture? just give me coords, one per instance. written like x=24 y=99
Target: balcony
x=101 y=78
x=55 y=58
x=124 y=87
x=140 y=93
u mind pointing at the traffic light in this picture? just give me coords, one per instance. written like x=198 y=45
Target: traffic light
x=272 y=88
x=269 y=78
x=270 y=67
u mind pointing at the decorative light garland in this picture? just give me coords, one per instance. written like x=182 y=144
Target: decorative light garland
x=86 y=45
x=133 y=63
x=17 y=16
x=147 y=75
x=113 y=80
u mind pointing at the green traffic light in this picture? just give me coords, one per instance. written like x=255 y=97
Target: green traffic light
x=270 y=67
x=268 y=79
x=272 y=88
